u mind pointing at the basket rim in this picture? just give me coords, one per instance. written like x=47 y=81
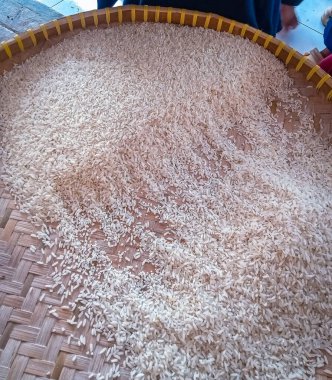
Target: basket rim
x=25 y=41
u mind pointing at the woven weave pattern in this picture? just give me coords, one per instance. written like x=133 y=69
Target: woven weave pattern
x=37 y=344
x=33 y=343
x=18 y=49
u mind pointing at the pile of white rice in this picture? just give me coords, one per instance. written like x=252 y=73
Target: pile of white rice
x=192 y=230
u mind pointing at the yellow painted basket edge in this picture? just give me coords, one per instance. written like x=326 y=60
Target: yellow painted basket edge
x=105 y=17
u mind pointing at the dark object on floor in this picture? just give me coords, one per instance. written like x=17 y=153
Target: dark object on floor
x=16 y=16
x=326 y=64
x=263 y=15
x=328 y=34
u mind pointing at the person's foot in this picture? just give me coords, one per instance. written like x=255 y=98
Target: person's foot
x=315 y=56
x=326 y=16
x=288 y=17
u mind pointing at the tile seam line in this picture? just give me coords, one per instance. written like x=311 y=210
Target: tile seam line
x=61 y=1
x=8 y=27
x=309 y=27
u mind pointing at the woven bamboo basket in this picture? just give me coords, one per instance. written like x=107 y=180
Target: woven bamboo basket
x=33 y=344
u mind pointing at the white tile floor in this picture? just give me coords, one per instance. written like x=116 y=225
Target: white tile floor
x=68 y=7
x=307 y=36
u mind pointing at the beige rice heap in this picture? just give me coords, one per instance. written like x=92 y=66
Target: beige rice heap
x=189 y=228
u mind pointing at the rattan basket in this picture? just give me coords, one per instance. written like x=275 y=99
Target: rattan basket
x=32 y=41
x=33 y=344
